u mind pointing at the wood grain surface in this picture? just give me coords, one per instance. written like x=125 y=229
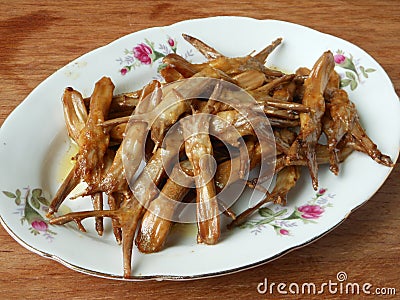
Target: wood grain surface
x=38 y=37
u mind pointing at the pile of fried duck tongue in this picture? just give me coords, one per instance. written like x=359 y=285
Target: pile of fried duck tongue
x=300 y=108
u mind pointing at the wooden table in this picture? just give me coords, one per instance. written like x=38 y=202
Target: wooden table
x=38 y=37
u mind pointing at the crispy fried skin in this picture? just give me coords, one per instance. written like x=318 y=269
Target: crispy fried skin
x=208 y=51
x=93 y=143
x=75 y=113
x=310 y=123
x=93 y=140
x=157 y=221
x=198 y=149
x=286 y=179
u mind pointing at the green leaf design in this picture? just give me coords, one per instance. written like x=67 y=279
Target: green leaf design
x=157 y=55
x=160 y=67
x=36 y=193
x=350 y=75
x=9 y=194
x=308 y=221
x=363 y=72
x=43 y=200
x=18 y=198
x=34 y=231
x=51 y=231
x=281 y=212
x=266 y=220
x=37 y=198
x=370 y=70
x=265 y=212
x=344 y=82
x=31 y=214
x=35 y=202
x=295 y=215
x=353 y=85
x=247 y=224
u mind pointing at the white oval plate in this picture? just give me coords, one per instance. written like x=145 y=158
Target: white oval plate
x=33 y=143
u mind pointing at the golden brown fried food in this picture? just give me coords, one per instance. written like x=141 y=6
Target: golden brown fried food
x=156 y=222
x=198 y=149
x=75 y=113
x=93 y=140
x=208 y=51
x=285 y=180
x=310 y=123
x=300 y=107
x=93 y=143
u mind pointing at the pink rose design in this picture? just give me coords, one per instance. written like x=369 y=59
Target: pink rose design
x=39 y=225
x=321 y=191
x=171 y=42
x=339 y=58
x=142 y=52
x=311 y=211
x=124 y=71
x=284 y=231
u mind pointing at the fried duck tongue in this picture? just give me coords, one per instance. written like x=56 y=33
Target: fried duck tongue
x=286 y=179
x=341 y=122
x=310 y=123
x=156 y=223
x=199 y=150
x=263 y=54
x=144 y=190
x=92 y=141
x=128 y=215
x=208 y=51
x=368 y=146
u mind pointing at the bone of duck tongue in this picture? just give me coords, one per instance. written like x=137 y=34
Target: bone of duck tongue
x=75 y=113
x=263 y=54
x=75 y=116
x=368 y=146
x=156 y=222
x=144 y=189
x=199 y=149
x=114 y=182
x=285 y=181
x=115 y=178
x=208 y=51
x=310 y=123
x=181 y=65
x=339 y=119
x=92 y=142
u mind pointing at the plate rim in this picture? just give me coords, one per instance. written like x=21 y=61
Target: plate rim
x=162 y=277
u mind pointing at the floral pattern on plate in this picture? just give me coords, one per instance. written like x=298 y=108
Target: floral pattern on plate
x=282 y=220
x=145 y=53
x=354 y=72
x=31 y=204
